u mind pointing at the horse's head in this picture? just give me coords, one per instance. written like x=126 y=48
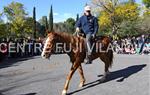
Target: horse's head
x=49 y=45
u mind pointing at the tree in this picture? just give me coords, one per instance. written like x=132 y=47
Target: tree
x=3 y=30
x=40 y=29
x=60 y=27
x=128 y=28
x=147 y=3
x=132 y=1
x=34 y=23
x=1 y=21
x=44 y=26
x=46 y=22
x=28 y=26
x=70 y=23
x=107 y=13
x=77 y=18
x=16 y=14
x=113 y=13
x=147 y=9
x=67 y=26
x=51 y=19
x=14 y=10
x=143 y=26
x=43 y=21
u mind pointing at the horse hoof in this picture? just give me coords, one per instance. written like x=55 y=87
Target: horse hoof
x=108 y=73
x=64 y=92
x=102 y=79
x=81 y=85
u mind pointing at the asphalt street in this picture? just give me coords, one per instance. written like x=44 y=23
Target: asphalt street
x=130 y=75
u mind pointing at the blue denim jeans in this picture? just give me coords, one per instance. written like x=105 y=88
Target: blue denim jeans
x=88 y=43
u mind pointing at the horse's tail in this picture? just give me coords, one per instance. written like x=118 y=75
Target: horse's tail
x=110 y=56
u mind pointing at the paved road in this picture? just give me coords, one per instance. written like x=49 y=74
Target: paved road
x=36 y=76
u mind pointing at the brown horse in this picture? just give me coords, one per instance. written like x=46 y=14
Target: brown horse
x=76 y=50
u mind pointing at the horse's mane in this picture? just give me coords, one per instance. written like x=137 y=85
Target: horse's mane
x=65 y=35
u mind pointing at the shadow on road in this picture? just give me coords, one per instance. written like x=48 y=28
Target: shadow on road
x=23 y=94
x=29 y=94
x=12 y=61
x=1 y=94
x=122 y=74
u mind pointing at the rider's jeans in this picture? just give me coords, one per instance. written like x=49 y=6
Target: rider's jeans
x=88 y=43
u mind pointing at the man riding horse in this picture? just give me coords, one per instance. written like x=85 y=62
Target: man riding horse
x=89 y=25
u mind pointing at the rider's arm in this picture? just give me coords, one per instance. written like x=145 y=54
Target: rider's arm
x=78 y=25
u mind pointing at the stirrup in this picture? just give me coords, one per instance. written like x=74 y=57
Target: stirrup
x=88 y=62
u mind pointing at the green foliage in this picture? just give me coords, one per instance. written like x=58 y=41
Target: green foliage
x=28 y=25
x=18 y=26
x=70 y=23
x=34 y=22
x=131 y=1
x=43 y=21
x=121 y=13
x=16 y=15
x=147 y=9
x=1 y=20
x=121 y=20
x=143 y=26
x=60 y=27
x=67 y=26
x=3 y=29
x=40 y=30
x=14 y=10
x=77 y=18
x=51 y=19
x=147 y=3
x=127 y=12
x=128 y=28
x=43 y=26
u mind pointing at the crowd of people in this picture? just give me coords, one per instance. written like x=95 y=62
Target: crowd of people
x=132 y=45
x=128 y=45
x=8 y=48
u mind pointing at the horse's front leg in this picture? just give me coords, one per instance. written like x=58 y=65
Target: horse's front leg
x=72 y=70
x=82 y=78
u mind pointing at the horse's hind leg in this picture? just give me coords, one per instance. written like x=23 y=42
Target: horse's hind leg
x=82 y=78
x=107 y=65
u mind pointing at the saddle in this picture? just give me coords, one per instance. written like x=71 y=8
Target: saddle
x=96 y=39
x=82 y=34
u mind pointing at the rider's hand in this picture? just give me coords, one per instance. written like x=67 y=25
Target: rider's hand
x=77 y=29
x=93 y=35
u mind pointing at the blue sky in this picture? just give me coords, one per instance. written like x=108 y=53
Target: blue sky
x=62 y=9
